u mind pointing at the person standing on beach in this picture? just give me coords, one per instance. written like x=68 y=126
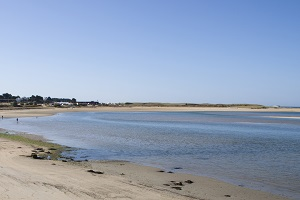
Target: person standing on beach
x=17 y=120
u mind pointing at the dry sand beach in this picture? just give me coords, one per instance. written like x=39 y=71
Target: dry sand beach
x=22 y=177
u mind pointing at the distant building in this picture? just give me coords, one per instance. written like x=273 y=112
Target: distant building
x=63 y=103
x=87 y=103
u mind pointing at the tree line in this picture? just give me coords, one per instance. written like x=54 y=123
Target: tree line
x=32 y=100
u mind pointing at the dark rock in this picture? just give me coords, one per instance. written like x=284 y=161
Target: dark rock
x=167 y=184
x=39 y=149
x=189 y=181
x=64 y=160
x=177 y=188
x=177 y=167
x=35 y=156
x=51 y=149
x=95 y=172
x=122 y=174
x=178 y=183
x=170 y=172
x=19 y=147
x=227 y=195
x=161 y=171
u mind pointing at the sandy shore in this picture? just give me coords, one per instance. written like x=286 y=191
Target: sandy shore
x=52 y=111
x=23 y=177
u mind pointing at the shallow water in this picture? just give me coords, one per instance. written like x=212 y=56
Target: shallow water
x=252 y=149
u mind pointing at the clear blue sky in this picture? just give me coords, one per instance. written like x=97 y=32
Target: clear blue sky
x=195 y=51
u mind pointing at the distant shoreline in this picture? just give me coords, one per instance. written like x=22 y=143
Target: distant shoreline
x=48 y=111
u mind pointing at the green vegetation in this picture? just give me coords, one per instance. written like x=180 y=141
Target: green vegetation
x=8 y=101
x=55 y=149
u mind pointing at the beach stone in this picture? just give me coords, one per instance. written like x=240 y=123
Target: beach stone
x=170 y=172
x=161 y=171
x=177 y=188
x=95 y=172
x=177 y=167
x=35 y=156
x=189 y=181
x=178 y=183
x=52 y=149
x=227 y=195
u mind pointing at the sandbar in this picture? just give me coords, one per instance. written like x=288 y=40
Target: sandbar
x=52 y=110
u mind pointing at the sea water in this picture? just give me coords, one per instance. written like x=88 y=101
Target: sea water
x=259 y=150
